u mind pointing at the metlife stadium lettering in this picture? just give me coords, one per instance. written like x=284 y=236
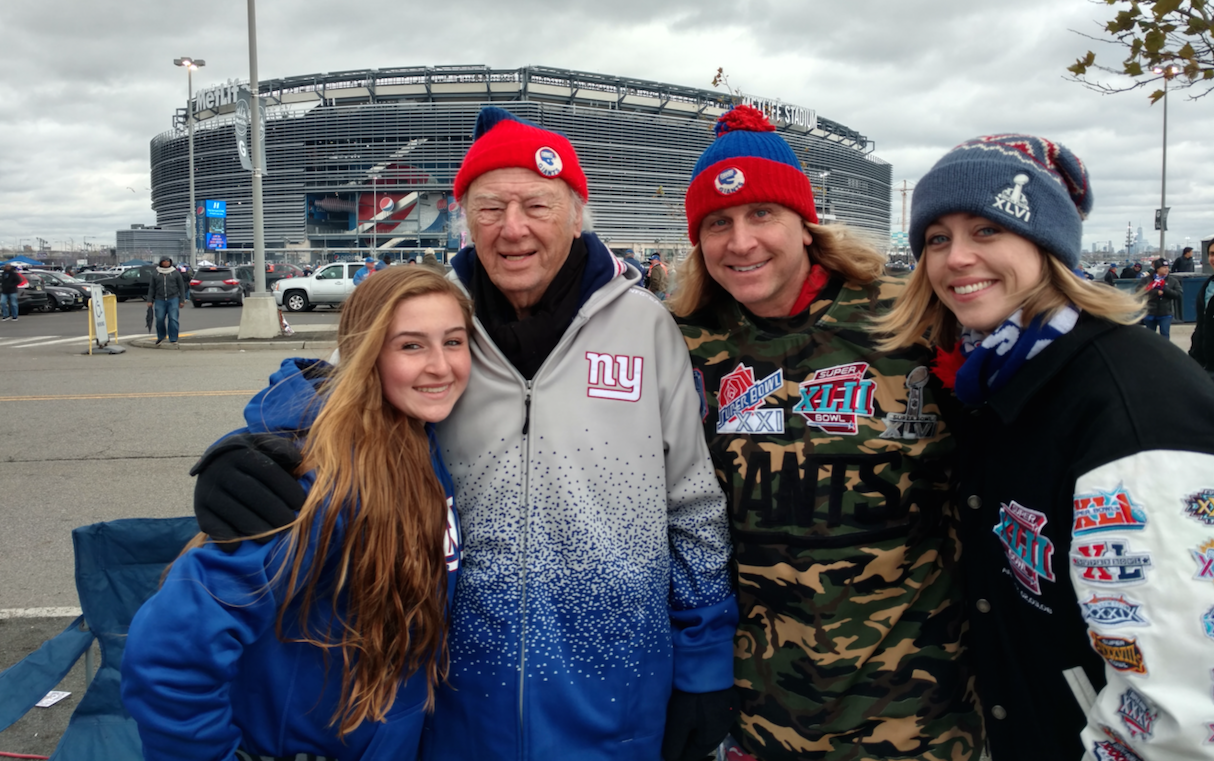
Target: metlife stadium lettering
x=777 y=111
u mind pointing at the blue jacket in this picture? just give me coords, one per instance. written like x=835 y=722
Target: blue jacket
x=362 y=273
x=204 y=672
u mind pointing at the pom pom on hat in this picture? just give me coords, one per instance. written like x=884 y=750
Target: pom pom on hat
x=1031 y=186
x=746 y=163
x=502 y=141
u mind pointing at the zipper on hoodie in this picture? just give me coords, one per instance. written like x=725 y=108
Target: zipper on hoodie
x=522 y=651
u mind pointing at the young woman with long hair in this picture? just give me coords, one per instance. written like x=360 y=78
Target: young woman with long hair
x=1086 y=466
x=328 y=640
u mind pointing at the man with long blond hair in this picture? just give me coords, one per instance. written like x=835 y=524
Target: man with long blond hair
x=835 y=458
x=594 y=616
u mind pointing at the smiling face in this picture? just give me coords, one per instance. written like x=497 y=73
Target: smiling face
x=757 y=253
x=425 y=360
x=981 y=272
x=522 y=225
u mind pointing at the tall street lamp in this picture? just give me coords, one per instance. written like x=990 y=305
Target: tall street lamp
x=192 y=218
x=1168 y=72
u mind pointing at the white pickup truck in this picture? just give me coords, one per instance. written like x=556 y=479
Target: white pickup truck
x=331 y=284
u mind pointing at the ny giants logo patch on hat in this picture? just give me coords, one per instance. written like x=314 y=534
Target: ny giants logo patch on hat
x=548 y=162
x=730 y=181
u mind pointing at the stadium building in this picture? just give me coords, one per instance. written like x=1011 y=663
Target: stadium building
x=362 y=160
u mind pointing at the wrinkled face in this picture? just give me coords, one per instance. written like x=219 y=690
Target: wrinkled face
x=980 y=271
x=756 y=252
x=425 y=360
x=522 y=225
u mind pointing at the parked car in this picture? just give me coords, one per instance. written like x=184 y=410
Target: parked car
x=31 y=294
x=57 y=297
x=132 y=283
x=331 y=284
x=220 y=285
x=64 y=281
x=275 y=271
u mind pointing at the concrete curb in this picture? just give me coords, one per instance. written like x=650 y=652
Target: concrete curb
x=247 y=345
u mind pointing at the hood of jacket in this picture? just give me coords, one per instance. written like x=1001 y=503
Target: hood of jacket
x=292 y=400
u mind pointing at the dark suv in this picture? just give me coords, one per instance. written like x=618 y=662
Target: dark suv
x=219 y=285
x=275 y=271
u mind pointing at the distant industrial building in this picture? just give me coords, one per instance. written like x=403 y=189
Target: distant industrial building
x=148 y=243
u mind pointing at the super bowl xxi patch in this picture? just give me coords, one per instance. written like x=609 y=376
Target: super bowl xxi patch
x=740 y=403
x=1110 y=562
x=1029 y=552
x=833 y=399
x=1121 y=653
x=1107 y=511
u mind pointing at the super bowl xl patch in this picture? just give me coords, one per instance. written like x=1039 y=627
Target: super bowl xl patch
x=1121 y=653
x=1201 y=506
x=914 y=423
x=1029 y=553
x=1107 y=511
x=834 y=398
x=1110 y=562
x=1204 y=555
x=1137 y=714
x=740 y=403
x=1112 y=611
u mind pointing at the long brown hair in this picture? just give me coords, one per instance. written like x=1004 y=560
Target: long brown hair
x=836 y=247
x=919 y=315
x=374 y=479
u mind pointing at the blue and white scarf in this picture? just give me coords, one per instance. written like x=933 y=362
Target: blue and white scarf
x=991 y=360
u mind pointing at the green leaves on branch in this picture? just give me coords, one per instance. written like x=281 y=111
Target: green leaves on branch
x=1154 y=34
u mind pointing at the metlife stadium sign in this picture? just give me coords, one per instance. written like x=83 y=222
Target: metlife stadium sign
x=778 y=111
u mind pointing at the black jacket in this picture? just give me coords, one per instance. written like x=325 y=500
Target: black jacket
x=9 y=280
x=1183 y=264
x=1162 y=303
x=1110 y=277
x=1048 y=541
x=167 y=287
x=1202 y=348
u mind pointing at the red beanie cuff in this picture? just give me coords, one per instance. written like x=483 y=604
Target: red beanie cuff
x=511 y=144
x=743 y=180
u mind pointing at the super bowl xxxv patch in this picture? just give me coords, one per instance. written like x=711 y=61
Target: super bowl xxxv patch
x=1107 y=511
x=1121 y=653
x=832 y=399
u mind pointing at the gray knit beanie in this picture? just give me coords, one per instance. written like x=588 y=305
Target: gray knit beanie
x=1034 y=188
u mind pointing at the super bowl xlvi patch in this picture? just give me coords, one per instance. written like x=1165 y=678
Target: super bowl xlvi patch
x=914 y=423
x=730 y=181
x=1138 y=714
x=548 y=162
x=740 y=403
x=1112 y=611
x=1029 y=553
x=1204 y=555
x=1110 y=562
x=1201 y=506
x=1012 y=201
x=1121 y=653
x=1107 y=511
x=1114 y=748
x=834 y=398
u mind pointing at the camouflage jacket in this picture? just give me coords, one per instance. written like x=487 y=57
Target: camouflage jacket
x=836 y=461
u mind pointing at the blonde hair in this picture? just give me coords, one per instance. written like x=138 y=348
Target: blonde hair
x=836 y=247
x=374 y=479
x=918 y=314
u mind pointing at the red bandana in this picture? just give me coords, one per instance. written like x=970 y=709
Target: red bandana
x=947 y=363
x=813 y=285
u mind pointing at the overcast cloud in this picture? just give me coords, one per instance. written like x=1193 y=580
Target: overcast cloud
x=87 y=85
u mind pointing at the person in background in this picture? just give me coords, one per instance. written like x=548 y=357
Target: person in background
x=384 y=262
x=1132 y=271
x=1184 y=262
x=330 y=640
x=10 y=279
x=367 y=269
x=1202 y=346
x=657 y=279
x=167 y=293
x=1110 y=277
x=835 y=457
x=1163 y=293
x=630 y=258
x=430 y=260
x=1088 y=526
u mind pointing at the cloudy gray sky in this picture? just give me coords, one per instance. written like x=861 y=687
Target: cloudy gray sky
x=87 y=85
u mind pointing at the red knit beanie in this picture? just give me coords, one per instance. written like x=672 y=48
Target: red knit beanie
x=503 y=141
x=747 y=163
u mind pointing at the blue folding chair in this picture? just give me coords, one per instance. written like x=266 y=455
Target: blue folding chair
x=118 y=567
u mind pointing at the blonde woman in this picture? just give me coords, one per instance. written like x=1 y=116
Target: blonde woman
x=1086 y=470
x=330 y=639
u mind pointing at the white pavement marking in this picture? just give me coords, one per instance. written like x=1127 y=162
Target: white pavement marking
x=52 y=340
x=38 y=613
x=14 y=341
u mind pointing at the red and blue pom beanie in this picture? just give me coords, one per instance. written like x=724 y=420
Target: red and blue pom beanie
x=502 y=141
x=1031 y=186
x=747 y=163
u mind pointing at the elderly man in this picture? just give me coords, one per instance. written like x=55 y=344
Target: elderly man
x=836 y=457
x=594 y=616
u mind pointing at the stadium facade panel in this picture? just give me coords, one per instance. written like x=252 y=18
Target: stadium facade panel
x=365 y=160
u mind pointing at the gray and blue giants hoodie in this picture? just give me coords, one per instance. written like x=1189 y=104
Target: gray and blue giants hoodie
x=596 y=547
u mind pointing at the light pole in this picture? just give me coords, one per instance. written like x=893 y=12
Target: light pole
x=1168 y=72
x=192 y=218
